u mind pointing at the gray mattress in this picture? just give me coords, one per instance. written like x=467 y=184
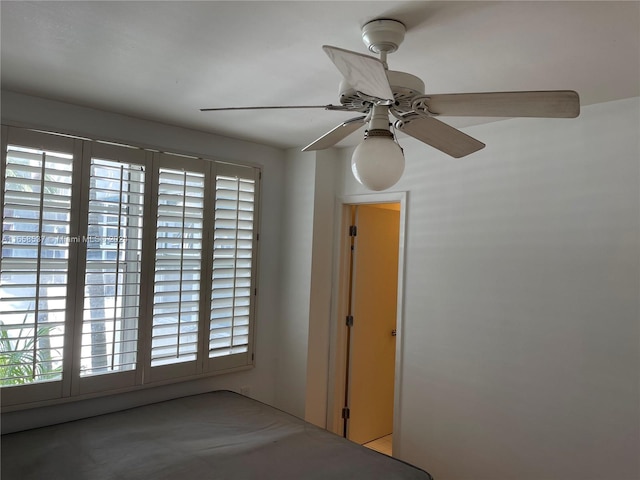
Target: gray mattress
x=217 y=435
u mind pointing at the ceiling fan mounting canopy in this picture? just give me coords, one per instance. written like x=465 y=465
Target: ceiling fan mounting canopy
x=383 y=35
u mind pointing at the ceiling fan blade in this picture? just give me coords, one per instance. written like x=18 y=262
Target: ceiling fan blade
x=364 y=73
x=275 y=107
x=547 y=104
x=340 y=132
x=440 y=135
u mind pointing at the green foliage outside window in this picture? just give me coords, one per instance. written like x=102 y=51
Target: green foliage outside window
x=17 y=363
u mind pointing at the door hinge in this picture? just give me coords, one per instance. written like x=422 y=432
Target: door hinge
x=353 y=230
x=345 y=413
x=349 y=320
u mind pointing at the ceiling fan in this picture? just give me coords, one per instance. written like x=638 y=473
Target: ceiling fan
x=376 y=92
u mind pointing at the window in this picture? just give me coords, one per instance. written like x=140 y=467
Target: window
x=179 y=243
x=107 y=252
x=232 y=266
x=34 y=264
x=113 y=267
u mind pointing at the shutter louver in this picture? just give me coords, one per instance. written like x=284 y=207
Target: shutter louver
x=34 y=264
x=113 y=267
x=232 y=266
x=177 y=266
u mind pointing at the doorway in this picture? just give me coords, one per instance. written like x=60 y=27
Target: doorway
x=366 y=388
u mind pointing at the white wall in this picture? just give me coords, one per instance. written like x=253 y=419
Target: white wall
x=321 y=288
x=522 y=287
x=296 y=224
x=307 y=246
x=57 y=116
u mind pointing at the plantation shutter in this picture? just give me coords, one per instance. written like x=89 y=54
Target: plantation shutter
x=234 y=245
x=37 y=228
x=121 y=266
x=178 y=264
x=113 y=264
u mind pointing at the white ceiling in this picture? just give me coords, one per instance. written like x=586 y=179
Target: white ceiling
x=165 y=60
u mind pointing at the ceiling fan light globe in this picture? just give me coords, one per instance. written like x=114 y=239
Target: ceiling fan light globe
x=377 y=163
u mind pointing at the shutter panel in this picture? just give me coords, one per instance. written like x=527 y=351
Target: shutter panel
x=113 y=267
x=34 y=264
x=233 y=256
x=177 y=266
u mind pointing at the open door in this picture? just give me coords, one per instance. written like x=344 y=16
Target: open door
x=371 y=336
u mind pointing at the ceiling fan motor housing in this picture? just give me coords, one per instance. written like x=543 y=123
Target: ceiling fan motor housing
x=383 y=35
x=403 y=85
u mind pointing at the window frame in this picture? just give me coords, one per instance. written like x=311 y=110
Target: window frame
x=110 y=381
x=31 y=139
x=238 y=359
x=193 y=367
x=73 y=386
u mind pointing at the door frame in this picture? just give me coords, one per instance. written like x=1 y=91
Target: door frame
x=339 y=309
